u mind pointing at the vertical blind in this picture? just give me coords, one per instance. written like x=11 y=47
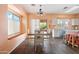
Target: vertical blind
x=13 y=23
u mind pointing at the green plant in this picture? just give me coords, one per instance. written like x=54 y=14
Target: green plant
x=43 y=25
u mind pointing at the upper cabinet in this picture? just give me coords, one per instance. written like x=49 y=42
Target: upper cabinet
x=75 y=24
x=75 y=21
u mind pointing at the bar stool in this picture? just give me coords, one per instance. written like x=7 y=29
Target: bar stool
x=77 y=41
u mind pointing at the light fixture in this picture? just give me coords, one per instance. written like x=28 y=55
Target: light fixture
x=40 y=12
x=65 y=7
x=33 y=4
x=72 y=9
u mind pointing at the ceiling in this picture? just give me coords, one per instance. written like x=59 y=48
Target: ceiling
x=52 y=8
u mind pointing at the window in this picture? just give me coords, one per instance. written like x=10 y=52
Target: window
x=13 y=23
x=59 y=22
x=62 y=22
x=34 y=25
x=43 y=25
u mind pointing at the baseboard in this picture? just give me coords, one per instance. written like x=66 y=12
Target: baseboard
x=16 y=45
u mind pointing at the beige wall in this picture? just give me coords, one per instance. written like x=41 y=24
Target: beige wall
x=50 y=17
x=3 y=26
x=16 y=8
x=6 y=46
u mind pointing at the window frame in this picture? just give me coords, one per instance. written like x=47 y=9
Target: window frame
x=19 y=32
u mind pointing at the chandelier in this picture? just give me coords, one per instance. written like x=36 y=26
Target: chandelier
x=40 y=12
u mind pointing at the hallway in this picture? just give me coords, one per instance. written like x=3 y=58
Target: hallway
x=55 y=46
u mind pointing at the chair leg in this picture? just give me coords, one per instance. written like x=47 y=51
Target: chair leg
x=73 y=41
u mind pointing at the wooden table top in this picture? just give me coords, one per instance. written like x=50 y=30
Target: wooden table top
x=39 y=34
